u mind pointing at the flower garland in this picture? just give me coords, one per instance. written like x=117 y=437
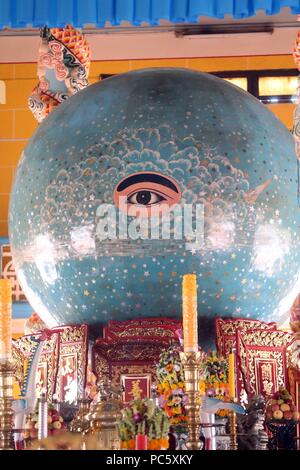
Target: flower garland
x=142 y=417
x=215 y=379
x=216 y=370
x=171 y=387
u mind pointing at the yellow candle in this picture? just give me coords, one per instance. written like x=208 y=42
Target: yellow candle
x=231 y=375
x=189 y=313
x=5 y=318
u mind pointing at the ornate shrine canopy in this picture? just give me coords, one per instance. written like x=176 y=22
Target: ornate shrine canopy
x=58 y=13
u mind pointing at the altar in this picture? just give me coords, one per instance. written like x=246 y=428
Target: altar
x=130 y=356
x=149 y=285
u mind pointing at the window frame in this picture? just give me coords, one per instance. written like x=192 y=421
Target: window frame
x=253 y=77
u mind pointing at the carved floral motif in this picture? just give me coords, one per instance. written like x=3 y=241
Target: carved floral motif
x=226 y=331
x=133 y=347
x=262 y=357
x=59 y=343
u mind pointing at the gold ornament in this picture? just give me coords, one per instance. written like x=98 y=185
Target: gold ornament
x=192 y=365
x=7 y=371
x=104 y=417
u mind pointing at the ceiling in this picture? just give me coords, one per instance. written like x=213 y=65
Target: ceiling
x=205 y=25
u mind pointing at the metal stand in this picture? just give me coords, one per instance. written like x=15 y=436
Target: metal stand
x=233 y=430
x=6 y=400
x=191 y=367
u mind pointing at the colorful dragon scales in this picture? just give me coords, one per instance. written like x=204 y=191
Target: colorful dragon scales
x=63 y=68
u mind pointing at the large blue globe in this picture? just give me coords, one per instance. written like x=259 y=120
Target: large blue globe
x=157 y=136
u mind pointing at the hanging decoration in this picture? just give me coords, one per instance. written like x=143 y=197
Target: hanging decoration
x=63 y=69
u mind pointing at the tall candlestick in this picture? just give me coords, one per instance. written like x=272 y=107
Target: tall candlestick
x=189 y=313
x=43 y=418
x=5 y=319
x=7 y=374
x=231 y=375
x=191 y=362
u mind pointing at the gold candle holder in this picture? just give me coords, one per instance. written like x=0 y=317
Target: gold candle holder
x=191 y=367
x=7 y=371
x=80 y=424
x=104 y=416
x=232 y=429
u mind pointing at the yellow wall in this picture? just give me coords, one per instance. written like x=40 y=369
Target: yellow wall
x=17 y=123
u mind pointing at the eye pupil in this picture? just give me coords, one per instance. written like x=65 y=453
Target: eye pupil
x=143 y=197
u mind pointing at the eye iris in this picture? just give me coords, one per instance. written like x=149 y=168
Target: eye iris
x=143 y=197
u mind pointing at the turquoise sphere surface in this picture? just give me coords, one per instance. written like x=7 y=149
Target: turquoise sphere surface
x=157 y=139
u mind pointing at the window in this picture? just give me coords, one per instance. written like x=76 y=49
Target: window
x=241 y=82
x=269 y=86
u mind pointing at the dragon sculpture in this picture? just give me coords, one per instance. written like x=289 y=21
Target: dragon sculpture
x=63 y=68
x=251 y=429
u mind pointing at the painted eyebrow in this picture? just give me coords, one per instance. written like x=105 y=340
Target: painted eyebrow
x=146 y=178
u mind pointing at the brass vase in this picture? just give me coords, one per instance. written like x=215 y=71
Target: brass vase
x=103 y=418
x=80 y=423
